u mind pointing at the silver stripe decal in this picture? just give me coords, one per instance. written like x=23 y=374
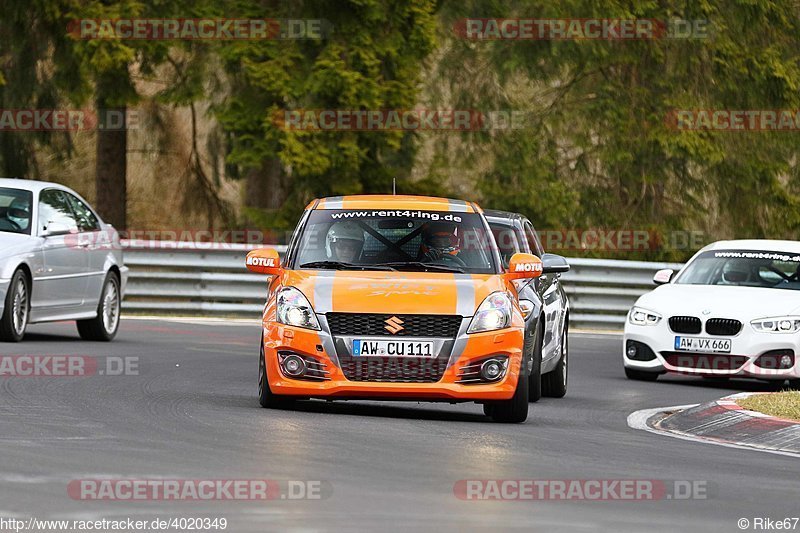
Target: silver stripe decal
x=460 y=343
x=465 y=295
x=327 y=340
x=458 y=206
x=323 y=291
x=334 y=202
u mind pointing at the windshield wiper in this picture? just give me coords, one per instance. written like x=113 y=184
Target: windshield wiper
x=425 y=266
x=339 y=265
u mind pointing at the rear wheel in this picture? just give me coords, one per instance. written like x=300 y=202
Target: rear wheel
x=17 y=308
x=514 y=410
x=554 y=383
x=266 y=397
x=104 y=326
x=639 y=375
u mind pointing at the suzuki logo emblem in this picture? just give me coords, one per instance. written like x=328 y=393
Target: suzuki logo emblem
x=393 y=325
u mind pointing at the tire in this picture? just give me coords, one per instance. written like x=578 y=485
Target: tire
x=17 y=308
x=105 y=325
x=639 y=375
x=535 y=379
x=266 y=398
x=554 y=383
x=794 y=384
x=514 y=410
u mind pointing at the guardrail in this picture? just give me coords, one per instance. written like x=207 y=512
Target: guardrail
x=197 y=279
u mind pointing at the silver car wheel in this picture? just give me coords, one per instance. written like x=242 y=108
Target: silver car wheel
x=110 y=306
x=19 y=307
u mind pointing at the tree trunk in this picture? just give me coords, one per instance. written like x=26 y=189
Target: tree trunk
x=111 y=161
x=266 y=186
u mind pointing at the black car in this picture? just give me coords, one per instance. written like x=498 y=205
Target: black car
x=546 y=309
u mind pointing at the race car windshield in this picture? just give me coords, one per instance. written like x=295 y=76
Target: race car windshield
x=403 y=240
x=744 y=268
x=15 y=210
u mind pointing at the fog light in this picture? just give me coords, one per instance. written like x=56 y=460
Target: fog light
x=632 y=350
x=491 y=370
x=294 y=366
x=786 y=361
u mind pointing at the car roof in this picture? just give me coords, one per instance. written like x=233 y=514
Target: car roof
x=389 y=201
x=769 y=245
x=496 y=213
x=30 y=185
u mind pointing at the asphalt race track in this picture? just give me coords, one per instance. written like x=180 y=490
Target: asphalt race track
x=192 y=413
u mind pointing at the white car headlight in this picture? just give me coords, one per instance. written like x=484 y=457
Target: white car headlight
x=294 y=309
x=778 y=324
x=639 y=316
x=494 y=313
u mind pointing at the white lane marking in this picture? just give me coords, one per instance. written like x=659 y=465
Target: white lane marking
x=197 y=320
x=638 y=420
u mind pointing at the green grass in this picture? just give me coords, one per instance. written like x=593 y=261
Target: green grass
x=781 y=404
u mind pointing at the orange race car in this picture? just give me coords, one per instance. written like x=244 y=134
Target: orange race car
x=394 y=298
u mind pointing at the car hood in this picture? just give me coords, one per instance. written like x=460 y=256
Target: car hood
x=393 y=292
x=742 y=303
x=12 y=244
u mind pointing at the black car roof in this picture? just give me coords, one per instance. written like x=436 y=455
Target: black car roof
x=494 y=213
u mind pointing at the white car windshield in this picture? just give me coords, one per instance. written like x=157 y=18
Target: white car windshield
x=396 y=240
x=15 y=210
x=744 y=268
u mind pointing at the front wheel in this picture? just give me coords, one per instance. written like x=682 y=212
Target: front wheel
x=554 y=383
x=17 y=308
x=266 y=398
x=104 y=326
x=639 y=375
x=514 y=410
x=794 y=384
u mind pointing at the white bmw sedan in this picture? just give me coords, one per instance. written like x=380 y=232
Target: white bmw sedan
x=732 y=310
x=58 y=261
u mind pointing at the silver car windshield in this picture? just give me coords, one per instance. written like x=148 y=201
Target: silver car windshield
x=15 y=210
x=744 y=268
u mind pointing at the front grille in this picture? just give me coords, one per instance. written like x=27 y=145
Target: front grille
x=394 y=369
x=685 y=324
x=370 y=325
x=723 y=326
x=704 y=361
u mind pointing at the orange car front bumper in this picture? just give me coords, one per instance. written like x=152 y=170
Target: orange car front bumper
x=281 y=338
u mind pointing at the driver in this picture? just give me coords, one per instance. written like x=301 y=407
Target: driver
x=344 y=242
x=20 y=205
x=439 y=239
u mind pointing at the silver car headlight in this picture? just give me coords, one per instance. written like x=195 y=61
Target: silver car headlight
x=778 y=324
x=295 y=310
x=638 y=316
x=494 y=313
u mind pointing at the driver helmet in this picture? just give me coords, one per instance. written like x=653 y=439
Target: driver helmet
x=344 y=242
x=20 y=204
x=441 y=236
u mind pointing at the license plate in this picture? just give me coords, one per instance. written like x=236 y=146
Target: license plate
x=702 y=344
x=363 y=348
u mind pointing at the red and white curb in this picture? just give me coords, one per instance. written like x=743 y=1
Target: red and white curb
x=724 y=423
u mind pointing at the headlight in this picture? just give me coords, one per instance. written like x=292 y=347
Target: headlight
x=778 y=324
x=494 y=313
x=643 y=317
x=294 y=309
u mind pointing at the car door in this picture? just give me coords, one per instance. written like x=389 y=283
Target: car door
x=95 y=242
x=60 y=282
x=547 y=286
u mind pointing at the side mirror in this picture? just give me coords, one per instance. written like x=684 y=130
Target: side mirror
x=264 y=261
x=522 y=266
x=554 y=264
x=663 y=276
x=54 y=228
